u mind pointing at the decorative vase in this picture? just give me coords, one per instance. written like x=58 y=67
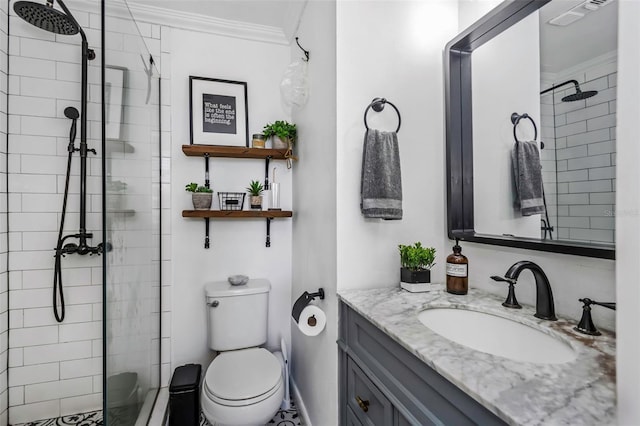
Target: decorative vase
x=256 y=202
x=202 y=200
x=279 y=143
x=415 y=276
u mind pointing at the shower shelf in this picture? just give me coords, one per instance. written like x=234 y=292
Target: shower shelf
x=208 y=151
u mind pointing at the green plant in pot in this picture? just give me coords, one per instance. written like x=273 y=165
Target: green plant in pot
x=255 y=189
x=201 y=196
x=416 y=262
x=283 y=134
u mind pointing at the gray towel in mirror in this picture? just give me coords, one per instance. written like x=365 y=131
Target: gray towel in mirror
x=381 y=183
x=527 y=174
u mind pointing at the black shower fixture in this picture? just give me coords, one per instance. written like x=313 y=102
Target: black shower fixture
x=578 y=96
x=49 y=19
x=46 y=17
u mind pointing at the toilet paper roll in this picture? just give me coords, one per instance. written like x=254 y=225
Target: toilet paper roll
x=312 y=320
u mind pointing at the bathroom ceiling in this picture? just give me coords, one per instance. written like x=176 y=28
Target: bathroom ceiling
x=592 y=36
x=282 y=14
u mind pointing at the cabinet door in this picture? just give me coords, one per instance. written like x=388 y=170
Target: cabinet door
x=365 y=399
x=352 y=420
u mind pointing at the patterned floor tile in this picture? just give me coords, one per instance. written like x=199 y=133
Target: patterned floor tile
x=282 y=418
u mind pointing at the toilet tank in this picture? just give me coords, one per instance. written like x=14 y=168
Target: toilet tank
x=237 y=315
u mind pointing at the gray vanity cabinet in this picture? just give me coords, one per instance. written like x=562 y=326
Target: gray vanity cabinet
x=383 y=384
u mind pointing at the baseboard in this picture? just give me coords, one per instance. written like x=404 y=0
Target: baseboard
x=302 y=410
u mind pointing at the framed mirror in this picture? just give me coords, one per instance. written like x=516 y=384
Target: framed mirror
x=534 y=74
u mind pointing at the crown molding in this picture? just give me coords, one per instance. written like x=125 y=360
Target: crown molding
x=208 y=24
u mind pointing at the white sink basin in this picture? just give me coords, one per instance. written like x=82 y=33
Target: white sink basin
x=496 y=335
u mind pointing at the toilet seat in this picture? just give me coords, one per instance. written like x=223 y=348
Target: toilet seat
x=243 y=377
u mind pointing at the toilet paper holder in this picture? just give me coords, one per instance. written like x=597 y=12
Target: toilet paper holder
x=303 y=301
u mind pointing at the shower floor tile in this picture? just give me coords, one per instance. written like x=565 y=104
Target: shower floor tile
x=93 y=418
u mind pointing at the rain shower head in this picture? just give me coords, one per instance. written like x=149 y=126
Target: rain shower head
x=46 y=17
x=579 y=95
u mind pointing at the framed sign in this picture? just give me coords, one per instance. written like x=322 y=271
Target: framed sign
x=115 y=80
x=218 y=111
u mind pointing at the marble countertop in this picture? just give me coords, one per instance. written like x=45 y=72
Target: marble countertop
x=581 y=392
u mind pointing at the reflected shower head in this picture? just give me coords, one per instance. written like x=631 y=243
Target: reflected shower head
x=46 y=17
x=579 y=95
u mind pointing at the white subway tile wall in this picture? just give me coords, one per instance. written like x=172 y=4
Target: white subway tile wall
x=4 y=235
x=582 y=168
x=56 y=369
x=52 y=366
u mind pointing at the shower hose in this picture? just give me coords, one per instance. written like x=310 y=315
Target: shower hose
x=57 y=275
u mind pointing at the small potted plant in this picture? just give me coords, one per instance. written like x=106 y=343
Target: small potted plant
x=416 y=263
x=255 y=189
x=201 y=196
x=283 y=134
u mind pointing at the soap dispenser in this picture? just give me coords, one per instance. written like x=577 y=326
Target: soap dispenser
x=457 y=271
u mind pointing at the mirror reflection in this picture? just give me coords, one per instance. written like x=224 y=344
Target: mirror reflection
x=554 y=70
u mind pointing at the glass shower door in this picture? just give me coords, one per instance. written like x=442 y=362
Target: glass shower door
x=131 y=188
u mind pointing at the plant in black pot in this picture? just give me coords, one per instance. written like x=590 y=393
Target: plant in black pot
x=416 y=263
x=201 y=196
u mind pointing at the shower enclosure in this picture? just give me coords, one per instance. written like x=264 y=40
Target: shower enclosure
x=131 y=219
x=97 y=354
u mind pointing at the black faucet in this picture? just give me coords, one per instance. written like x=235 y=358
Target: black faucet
x=544 y=296
x=586 y=326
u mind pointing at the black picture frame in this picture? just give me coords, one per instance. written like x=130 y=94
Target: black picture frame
x=218 y=112
x=459 y=135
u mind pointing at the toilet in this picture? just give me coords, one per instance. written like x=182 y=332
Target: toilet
x=244 y=384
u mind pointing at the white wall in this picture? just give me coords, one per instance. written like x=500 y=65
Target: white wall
x=237 y=246
x=54 y=369
x=314 y=359
x=4 y=288
x=392 y=50
x=497 y=93
x=628 y=215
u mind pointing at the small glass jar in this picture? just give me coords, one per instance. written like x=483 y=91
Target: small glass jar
x=258 y=141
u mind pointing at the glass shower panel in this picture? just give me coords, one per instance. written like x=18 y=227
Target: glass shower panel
x=131 y=220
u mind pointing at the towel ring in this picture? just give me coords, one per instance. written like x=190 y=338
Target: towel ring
x=515 y=119
x=378 y=105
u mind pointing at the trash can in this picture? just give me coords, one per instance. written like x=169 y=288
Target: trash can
x=184 y=396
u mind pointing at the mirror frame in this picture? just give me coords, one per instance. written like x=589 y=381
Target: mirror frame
x=459 y=135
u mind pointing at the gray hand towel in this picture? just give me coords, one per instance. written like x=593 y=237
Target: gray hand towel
x=527 y=173
x=381 y=184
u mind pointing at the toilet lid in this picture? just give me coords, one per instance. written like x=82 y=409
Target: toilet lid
x=243 y=374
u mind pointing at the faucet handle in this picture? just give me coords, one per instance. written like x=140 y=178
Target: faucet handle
x=586 y=325
x=511 y=301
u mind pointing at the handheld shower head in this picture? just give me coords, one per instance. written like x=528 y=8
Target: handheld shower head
x=71 y=113
x=46 y=17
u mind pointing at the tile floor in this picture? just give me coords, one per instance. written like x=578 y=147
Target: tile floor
x=282 y=418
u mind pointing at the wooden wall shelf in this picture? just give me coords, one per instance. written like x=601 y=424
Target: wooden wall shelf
x=239 y=214
x=210 y=151
x=232 y=152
